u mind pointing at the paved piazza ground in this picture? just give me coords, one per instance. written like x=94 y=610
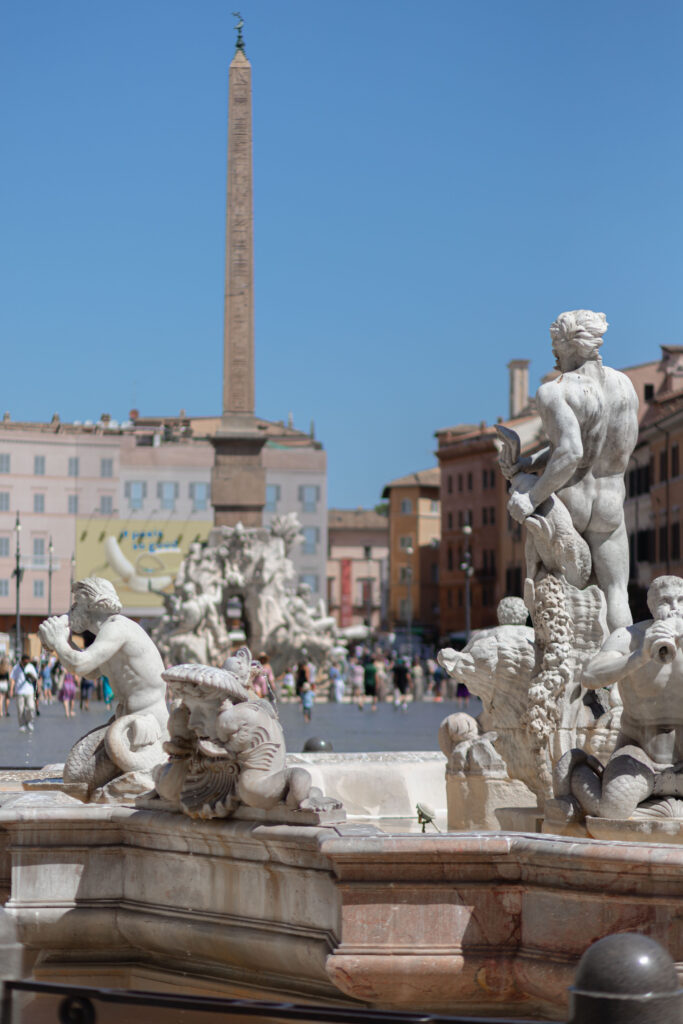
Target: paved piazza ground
x=344 y=725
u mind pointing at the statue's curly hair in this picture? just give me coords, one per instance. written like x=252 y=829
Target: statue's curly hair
x=100 y=593
x=582 y=329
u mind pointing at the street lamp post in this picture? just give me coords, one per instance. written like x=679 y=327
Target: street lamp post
x=50 y=549
x=18 y=573
x=468 y=569
x=409 y=551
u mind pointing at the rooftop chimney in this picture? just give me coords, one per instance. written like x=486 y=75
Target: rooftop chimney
x=519 y=386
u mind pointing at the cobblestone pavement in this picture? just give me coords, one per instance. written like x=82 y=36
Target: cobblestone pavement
x=347 y=728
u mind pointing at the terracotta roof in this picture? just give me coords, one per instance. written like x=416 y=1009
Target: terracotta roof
x=356 y=519
x=423 y=477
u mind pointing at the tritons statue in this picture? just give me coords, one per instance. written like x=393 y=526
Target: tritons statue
x=644 y=776
x=114 y=760
x=227 y=749
x=570 y=496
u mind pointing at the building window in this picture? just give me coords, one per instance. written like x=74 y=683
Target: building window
x=675 y=469
x=676 y=541
x=513 y=581
x=649 y=392
x=309 y=496
x=663 y=465
x=39 y=588
x=449 y=519
x=663 y=544
x=4 y=547
x=404 y=574
x=167 y=493
x=434 y=506
x=199 y=496
x=136 y=492
x=39 y=465
x=72 y=502
x=310 y=578
x=4 y=463
x=38 y=551
x=449 y=484
x=106 y=467
x=460 y=481
x=39 y=503
x=4 y=588
x=272 y=497
x=449 y=558
x=73 y=466
x=406 y=507
x=485 y=516
x=469 y=481
x=405 y=542
x=106 y=504
x=4 y=501
x=492 y=515
x=311 y=537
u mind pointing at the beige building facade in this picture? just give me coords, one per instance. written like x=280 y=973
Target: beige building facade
x=357 y=567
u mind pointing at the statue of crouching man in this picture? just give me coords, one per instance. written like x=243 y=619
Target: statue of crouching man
x=115 y=760
x=227 y=750
x=646 y=768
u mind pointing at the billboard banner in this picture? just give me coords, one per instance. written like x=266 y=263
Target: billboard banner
x=346 y=606
x=141 y=558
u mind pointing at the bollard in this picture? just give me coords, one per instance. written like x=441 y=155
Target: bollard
x=316 y=745
x=626 y=979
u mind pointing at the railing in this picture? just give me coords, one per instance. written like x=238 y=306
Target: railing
x=78 y=1005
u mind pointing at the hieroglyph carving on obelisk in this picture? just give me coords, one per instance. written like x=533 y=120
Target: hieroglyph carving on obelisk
x=238 y=367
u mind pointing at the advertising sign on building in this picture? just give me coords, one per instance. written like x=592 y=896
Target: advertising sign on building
x=141 y=558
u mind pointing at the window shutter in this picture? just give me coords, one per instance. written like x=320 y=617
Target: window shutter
x=176 y=489
x=144 y=490
x=317 y=493
x=160 y=489
x=191 y=492
x=301 y=492
x=277 y=491
x=126 y=489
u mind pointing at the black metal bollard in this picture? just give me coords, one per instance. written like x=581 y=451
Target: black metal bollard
x=626 y=979
x=317 y=745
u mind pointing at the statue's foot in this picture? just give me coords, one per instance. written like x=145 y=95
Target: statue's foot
x=319 y=803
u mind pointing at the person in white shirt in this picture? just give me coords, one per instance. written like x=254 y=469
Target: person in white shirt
x=21 y=688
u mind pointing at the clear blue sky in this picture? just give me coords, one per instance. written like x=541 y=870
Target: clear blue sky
x=434 y=183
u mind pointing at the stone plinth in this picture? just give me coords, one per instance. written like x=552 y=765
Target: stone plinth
x=238 y=479
x=471 y=924
x=480 y=802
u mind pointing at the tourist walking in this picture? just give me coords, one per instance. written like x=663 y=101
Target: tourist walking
x=4 y=687
x=307 y=700
x=67 y=694
x=370 y=681
x=21 y=688
x=356 y=678
x=46 y=679
x=401 y=684
x=417 y=679
x=86 y=689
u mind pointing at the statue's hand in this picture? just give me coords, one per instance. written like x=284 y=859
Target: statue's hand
x=520 y=506
x=53 y=630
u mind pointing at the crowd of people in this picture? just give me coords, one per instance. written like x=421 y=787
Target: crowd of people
x=368 y=677
x=364 y=678
x=31 y=682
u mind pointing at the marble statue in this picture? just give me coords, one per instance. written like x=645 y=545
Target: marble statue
x=646 y=663
x=118 y=757
x=590 y=416
x=570 y=497
x=227 y=750
x=466 y=749
x=253 y=565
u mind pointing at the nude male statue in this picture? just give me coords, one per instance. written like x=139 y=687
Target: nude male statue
x=128 y=657
x=590 y=416
x=646 y=662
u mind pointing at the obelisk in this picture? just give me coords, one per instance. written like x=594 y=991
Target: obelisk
x=238 y=488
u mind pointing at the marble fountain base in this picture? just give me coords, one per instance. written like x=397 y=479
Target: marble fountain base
x=472 y=923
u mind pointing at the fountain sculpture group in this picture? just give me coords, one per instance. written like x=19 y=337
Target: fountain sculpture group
x=234 y=872
x=585 y=748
